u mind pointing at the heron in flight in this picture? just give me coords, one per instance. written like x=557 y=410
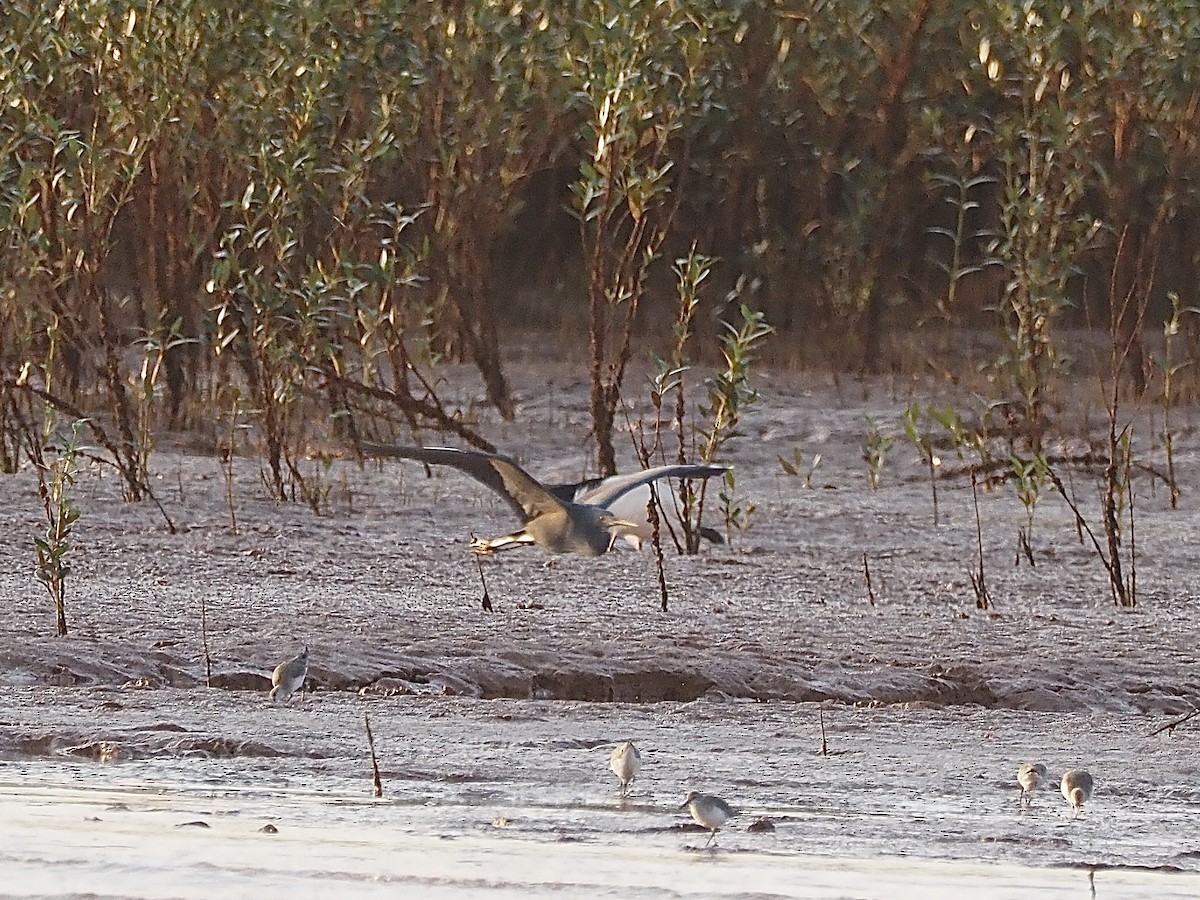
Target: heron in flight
x=585 y=524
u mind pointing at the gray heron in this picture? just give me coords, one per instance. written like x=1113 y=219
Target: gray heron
x=587 y=526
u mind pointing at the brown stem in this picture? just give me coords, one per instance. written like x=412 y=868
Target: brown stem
x=376 y=781
x=867 y=574
x=426 y=409
x=97 y=430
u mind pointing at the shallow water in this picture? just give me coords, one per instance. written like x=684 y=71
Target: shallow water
x=499 y=797
x=493 y=731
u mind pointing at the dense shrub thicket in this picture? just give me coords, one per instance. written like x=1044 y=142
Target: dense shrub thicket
x=275 y=206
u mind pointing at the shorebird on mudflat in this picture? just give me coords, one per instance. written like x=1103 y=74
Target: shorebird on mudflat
x=289 y=676
x=1030 y=777
x=625 y=762
x=709 y=811
x=1077 y=789
x=587 y=527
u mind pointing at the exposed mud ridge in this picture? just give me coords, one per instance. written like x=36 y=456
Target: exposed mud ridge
x=935 y=686
x=629 y=687
x=139 y=744
x=929 y=684
x=575 y=677
x=938 y=688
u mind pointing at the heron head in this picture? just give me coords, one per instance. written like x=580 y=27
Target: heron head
x=608 y=520
x=617 y=528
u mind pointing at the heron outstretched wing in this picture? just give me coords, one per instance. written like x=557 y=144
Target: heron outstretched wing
x=524 y=493
x=612 y=488
x=572 y=491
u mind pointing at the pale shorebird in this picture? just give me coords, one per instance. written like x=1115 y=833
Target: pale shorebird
x=1077 y=788
x=625 y=762
x=586 y=527
x=289 y=676
x=1030 y=776
x=709 y=812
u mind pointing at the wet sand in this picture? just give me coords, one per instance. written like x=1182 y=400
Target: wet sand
x=491 y=798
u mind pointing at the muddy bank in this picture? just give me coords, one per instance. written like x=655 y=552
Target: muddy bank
x=582 y=677
x=382 y=587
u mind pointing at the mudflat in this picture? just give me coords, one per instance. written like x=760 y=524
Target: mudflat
x=493 y=729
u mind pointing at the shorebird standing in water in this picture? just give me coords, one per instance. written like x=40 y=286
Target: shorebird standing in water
x=289 y=676
x=625 y=762
x=558 y=525
x=709 y=812
x=1077 y=788
x=1030 y=776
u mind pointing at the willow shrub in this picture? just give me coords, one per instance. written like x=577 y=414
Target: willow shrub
x=318 y=197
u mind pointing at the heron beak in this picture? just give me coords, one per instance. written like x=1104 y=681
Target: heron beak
x=620 y=523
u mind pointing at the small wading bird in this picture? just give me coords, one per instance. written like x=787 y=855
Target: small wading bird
x=289 y=676
x=1030 y=776
x=625 y=762
x=709 y=812
x=1077 y=788
x=587 y=526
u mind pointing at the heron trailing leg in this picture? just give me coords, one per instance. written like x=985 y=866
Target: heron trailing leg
x=487 y=546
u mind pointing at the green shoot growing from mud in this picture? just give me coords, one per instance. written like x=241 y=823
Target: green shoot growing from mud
x=231 y=417
x=963 y=438
x=318 y=487
x=924 y=444
x=55 y=481
x=1029 y=475
x=874 y=452
x=735 y=514
x=1169 y=367
x=690 y=272
x=729 y=395
x=795 y=465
